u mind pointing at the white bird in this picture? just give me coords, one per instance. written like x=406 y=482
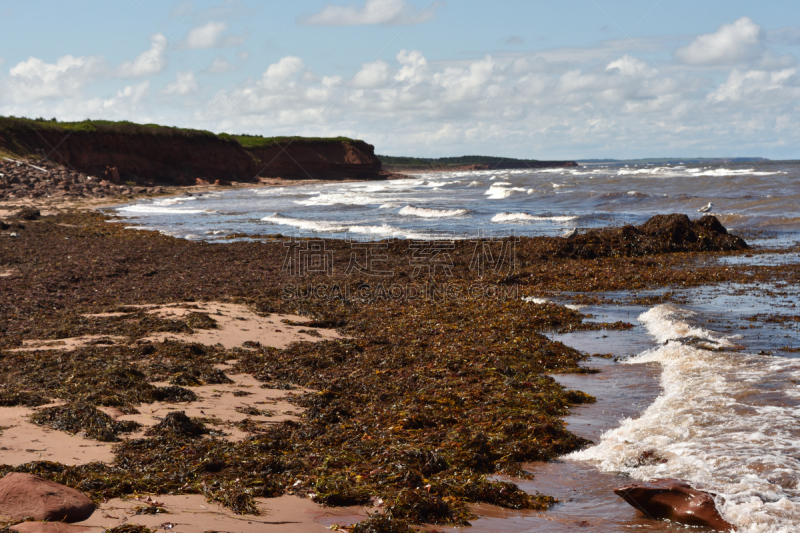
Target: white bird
x=570 y=233
x=707 y=208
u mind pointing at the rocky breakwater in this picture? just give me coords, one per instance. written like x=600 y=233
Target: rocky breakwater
x=26 y=178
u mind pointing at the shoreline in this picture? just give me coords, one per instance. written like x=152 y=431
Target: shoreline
x=168 y=270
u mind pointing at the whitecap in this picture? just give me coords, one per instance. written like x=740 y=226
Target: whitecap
x=499 y=193
x=161 y=210
x=525 y=217
x=425 y=212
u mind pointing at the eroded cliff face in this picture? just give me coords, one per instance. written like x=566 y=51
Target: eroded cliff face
x=174 y=156
x=329 y=160
x=160 y=157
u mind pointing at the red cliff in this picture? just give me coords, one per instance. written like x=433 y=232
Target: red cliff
x=180 y=156
x=321 y=159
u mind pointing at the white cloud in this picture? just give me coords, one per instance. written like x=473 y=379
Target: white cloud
x=750 y=84
x=35 y=79
x=185 y=84
x=372 y=75
x=210 y=36
x=415 y=66
x=392 y=12
x=148 y=63
x=553 y=103
x=282 y=71
x=134 y=93
x=630 y=66
x=207 y=36
x=729 y=45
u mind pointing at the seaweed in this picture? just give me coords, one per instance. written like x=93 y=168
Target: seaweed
x=419 y=404
x=200 y=321
x=177 y=424
x=340 y=491
x=82 y=417
x=21 y=398
x=172 y=394
x=129 y=528
x=253 y=411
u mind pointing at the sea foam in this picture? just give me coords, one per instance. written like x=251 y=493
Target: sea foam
x=724 y=422
x=525 y=217
x=425 y=212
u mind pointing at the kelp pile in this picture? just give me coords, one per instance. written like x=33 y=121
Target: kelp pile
x=414 y=410
x=81 y=417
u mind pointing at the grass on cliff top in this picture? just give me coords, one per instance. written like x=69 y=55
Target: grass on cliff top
x=9 y=125
x=257 y=141
x=123 y=126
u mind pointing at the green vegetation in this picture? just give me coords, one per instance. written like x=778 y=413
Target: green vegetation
x=257 y=141
x=9 y=124
x=11 y=127
x=428 y=162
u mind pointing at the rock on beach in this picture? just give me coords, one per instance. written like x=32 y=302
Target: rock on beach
x=26 y=495
x=674 y=500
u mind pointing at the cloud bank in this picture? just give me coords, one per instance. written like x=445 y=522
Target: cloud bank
x=726 y=92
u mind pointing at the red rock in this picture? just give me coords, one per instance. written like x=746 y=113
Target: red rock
x=200 y=181
x=222 y=182
x=674 y=500
x=112 y=175
x=23 y=495
x=47 y=527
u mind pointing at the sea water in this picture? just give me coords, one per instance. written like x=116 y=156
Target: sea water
x=512 y=202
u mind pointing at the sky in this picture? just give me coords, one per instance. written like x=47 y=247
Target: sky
x=512 y=78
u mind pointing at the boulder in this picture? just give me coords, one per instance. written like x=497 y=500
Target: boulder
x=675 y=500
x=26 y=495
x=112 y=175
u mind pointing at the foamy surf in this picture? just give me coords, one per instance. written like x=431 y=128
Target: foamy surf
x=310 y=225
x=425 y=212
x=726 y=421
x=498 y=192
x=366 y=230
x=161 y=210
x=525 y=217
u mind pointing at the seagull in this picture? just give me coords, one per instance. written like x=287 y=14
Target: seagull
x=570 y=233
x=706 y=208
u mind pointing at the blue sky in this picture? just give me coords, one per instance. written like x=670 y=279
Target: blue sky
x=546 y=80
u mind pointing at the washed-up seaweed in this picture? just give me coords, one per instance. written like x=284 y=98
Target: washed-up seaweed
x=10 y=398
x=419 y=405
x=80 y=417
x=129 y=528
x=177 y=424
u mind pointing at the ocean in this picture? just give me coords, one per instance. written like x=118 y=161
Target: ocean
x=461 y=204
x=707 y=390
